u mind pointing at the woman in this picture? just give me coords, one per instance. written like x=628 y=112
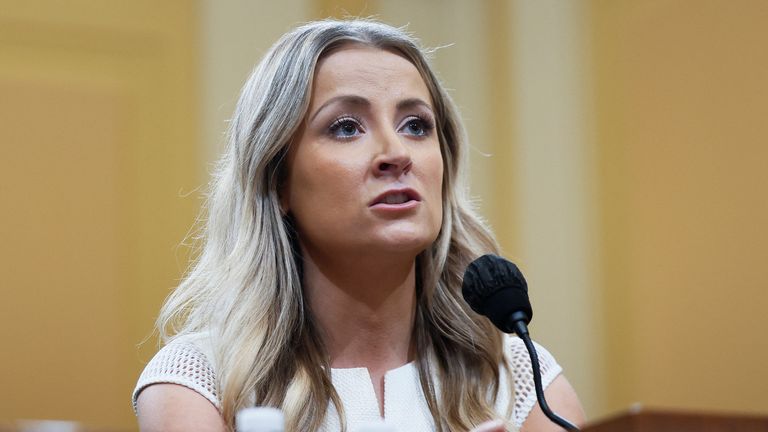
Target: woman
x=337 y=235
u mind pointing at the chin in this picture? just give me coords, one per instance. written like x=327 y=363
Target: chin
x=411 y=242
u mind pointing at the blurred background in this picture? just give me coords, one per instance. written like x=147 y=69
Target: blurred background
x=619 y=150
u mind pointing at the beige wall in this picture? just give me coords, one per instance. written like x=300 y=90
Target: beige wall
x=682 y=99
x=234 y=34
x=556 y=236
x=99 y=145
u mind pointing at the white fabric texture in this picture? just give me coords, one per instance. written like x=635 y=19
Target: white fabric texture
x=187 y=361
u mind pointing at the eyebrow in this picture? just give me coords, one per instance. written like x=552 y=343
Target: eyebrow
x=363 y=102
x=347 y=99
x=413 y=102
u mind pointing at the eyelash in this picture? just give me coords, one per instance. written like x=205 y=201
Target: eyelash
x=341 y=121
x=426 y=124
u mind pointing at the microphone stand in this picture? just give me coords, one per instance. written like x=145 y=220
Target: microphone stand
x=517 y=321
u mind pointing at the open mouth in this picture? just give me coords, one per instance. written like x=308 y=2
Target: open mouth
x=396 y=197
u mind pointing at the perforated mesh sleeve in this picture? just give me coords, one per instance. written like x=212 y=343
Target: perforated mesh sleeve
x=525 y=391
x=184 y=363
x=180 y=363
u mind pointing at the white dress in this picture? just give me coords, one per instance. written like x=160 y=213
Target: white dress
x=187 y=361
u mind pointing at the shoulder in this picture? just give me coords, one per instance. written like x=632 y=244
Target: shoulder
x=522 y=375
x=185 y=361
x=172 y=408
x=520 y=360
x=562 y=399
x=560 y=396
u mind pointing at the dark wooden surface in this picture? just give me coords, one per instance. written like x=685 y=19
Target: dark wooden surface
x=649 y=420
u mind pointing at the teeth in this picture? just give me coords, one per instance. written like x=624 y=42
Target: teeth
x=398 y=198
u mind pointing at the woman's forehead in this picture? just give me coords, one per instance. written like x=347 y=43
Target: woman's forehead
x=357 y=69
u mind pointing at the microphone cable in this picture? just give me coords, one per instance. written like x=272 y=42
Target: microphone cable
x=522 y=330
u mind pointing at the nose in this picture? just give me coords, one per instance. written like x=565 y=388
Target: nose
x=394 y=156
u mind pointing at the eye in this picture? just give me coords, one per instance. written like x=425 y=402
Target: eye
x=345 y=127
x=417 y=126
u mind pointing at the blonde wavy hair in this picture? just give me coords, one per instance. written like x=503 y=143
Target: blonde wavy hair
x=245 y=287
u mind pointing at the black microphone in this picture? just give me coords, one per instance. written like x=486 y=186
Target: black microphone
x=495 y=288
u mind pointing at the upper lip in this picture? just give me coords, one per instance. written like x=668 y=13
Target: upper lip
x=410 y=193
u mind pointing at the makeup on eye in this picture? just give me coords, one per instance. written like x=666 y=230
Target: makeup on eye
x=349 y=126
x=345 y=126
x=417 y=125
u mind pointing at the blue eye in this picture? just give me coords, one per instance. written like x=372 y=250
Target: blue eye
x=345 y=127
x=417 y=126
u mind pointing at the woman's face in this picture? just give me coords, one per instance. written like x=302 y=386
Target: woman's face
x=365 y=171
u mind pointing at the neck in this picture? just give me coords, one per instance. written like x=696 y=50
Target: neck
x=364 y=307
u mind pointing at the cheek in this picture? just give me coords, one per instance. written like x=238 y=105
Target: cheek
x=435 y=175
x=320 y=184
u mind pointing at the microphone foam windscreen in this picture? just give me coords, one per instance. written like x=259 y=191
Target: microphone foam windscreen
x=495 y=287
